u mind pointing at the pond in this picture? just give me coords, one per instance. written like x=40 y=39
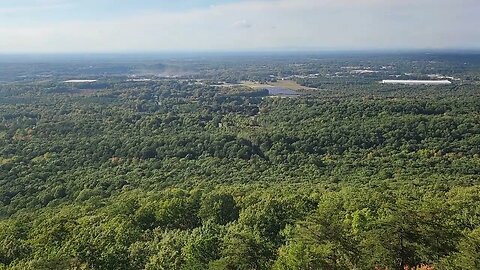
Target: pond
x=279 y=91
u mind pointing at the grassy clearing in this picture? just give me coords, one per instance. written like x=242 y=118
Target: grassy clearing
x=289 y=84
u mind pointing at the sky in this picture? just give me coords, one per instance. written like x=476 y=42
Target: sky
x=129 y=26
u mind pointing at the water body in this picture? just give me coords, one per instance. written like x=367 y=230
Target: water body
x=282 y=92
x=80 y=81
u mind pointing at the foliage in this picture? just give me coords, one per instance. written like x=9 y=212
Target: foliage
x=192 y=173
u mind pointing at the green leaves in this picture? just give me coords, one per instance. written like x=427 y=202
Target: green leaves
x=468 y=255
x=179 y=174
x=218 y=208
x=270 y=228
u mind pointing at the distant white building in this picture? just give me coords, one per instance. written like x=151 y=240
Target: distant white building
x=418 y=82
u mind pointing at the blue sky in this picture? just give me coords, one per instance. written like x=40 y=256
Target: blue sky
x=30 y=11
x=64 y=26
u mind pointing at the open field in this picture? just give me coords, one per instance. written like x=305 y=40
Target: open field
x=288 y=84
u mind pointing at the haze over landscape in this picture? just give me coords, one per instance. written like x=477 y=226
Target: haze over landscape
x=68 y=26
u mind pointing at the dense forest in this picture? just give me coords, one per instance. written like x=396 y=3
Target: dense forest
x=180 y=173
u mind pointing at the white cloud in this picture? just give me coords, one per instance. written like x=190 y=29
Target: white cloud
x=242 y=24
x=322 y=24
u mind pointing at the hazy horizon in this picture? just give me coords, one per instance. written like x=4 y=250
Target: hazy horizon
x=139 y=57
x=146 y=26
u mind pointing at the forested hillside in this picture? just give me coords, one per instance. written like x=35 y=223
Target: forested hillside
x=181 y=174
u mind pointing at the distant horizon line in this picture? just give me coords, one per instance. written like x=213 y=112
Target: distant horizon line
x=246 y=51
x=178 y=55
